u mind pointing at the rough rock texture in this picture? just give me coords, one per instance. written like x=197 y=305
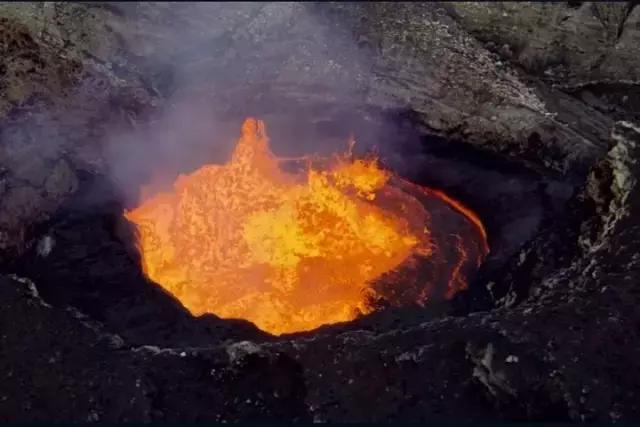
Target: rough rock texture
x=506 y=364
x=54 y=107
x=77 y=71
x=459 y=90
x=567 y=43
x=48 y=376
x=591 y=49
x=543 y=85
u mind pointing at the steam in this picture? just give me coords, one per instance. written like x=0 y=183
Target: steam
x=213 y=64
x=181 y=138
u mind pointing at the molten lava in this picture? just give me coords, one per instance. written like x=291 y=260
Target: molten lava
x=289 y=251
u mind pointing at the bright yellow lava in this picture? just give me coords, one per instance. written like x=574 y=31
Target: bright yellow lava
x=288 y=252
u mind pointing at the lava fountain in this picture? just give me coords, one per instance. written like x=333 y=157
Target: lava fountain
x=291 y=251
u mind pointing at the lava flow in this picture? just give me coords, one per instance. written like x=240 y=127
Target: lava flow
x=293 y=251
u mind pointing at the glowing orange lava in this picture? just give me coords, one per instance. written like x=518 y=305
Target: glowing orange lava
x=287 y=251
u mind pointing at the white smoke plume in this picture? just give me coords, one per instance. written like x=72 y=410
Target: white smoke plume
x=213 y=64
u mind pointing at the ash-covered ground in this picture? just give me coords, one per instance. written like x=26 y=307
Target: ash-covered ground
x=528 y=113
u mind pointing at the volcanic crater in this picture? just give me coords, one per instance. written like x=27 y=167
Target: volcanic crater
x=402 y=212
x=114 y=259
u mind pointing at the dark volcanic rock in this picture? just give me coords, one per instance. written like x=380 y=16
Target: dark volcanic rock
x=590 y=49
x=543 y=85
x=60 y=365
x=89 y=231
x=568 y=351
x=456 y=88
x=56 y=367
x=575 y=43
x=326 y=63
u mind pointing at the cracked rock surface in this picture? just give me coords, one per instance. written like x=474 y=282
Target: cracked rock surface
x=551 y=87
